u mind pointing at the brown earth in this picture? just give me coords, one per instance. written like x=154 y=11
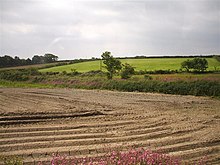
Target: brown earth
x=34 y=123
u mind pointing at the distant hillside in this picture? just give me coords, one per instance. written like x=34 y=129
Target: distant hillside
x=148 y=64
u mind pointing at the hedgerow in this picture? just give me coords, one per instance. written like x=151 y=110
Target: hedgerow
x=96 y=80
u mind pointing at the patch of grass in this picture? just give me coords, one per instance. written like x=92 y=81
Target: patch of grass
x=80 y=67
x=148 y=64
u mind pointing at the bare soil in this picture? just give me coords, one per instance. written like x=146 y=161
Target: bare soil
x=34 y=123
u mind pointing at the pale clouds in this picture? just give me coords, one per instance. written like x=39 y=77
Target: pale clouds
x=85 y=29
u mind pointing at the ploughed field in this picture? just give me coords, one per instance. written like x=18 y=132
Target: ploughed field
x=35 y=123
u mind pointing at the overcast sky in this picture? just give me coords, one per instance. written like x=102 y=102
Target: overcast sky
x=84 y=29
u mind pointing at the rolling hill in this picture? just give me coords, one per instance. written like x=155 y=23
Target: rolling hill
x=148 y=64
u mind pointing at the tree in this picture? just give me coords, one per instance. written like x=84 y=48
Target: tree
x=7 y=61
x=112 y=65
x=200 y=64
x=127 y=71
x=37 y=59
x=186 y=65
x=196 y=64
x=48 y=58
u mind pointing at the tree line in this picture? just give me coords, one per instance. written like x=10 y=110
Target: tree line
x=8 y=61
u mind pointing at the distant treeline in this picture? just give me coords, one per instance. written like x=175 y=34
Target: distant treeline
x=8 y=61
x=186 y=56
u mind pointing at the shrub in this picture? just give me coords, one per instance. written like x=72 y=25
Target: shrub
x=14 y=75
x=94 y=73
x=127 y=71
x=142 y=72
x=51 y=73
x=196 y=65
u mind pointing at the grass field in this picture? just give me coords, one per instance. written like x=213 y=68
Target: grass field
x=139 y=64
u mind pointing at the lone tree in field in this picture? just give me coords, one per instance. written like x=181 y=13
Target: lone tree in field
x=196 y=64
x=112 y=65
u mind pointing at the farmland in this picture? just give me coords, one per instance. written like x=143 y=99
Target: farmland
x=38 y=122
x=44 y=114
x=139 y=64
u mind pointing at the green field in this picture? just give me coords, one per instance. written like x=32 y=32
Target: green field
x=139 y=64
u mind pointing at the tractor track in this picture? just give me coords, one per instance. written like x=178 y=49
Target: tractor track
x=35 y=123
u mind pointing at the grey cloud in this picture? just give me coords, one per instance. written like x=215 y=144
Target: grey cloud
x=79 y=29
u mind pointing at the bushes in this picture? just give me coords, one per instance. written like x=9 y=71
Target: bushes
x=127 y=71
x=197 y=64
x=142 y=72
x=19 y=75
x=95 y=80
x=197 y=88
x=94 y=73
x=13 y=76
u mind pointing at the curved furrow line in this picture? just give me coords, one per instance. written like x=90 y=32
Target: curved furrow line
x=101 y=148
x=197 y=152
x=70 y=150
x=49 y=116
x=55 y=131
x=52 y=138
x=77 y=142
x=15 y=122
x=210 y=158
x=73 y=133
x=64 y=136
x=65 y=126
x=10 y=100
x=148 y=125
x=10 y=120
x=188 y=146
x=22 y=98
x=125 y=122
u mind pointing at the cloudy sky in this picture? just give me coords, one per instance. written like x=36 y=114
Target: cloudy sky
x=84 y=29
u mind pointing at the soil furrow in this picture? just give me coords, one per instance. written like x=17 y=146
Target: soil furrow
x=35 y=123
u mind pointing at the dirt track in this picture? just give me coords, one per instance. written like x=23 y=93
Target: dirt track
x=38 y=122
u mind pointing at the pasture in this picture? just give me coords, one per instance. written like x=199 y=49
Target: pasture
x=148 y=64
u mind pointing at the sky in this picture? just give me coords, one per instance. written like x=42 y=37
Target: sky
x=84 y=29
